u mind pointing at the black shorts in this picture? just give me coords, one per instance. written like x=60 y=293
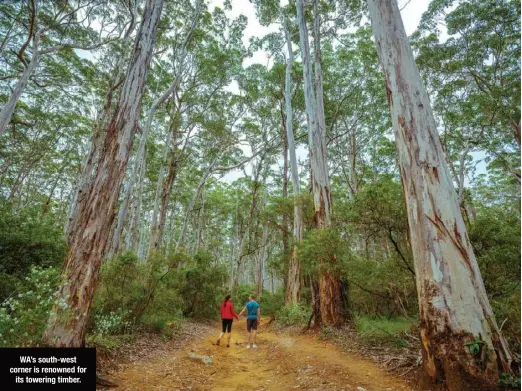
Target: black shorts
x=251 y=324
x=226 y=325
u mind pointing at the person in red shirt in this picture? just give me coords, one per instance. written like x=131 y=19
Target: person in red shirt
x=227 y=317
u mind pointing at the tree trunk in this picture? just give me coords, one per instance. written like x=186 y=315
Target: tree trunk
x=97 y=141
x=133 y=233
x=454 y=311
x=68 y=320
x=171 y=177
x=7 y=111
x=190 y=207
x=201 y=220
x=285 y=188
x=153 y=236
x=329 y=284
x=352 y=173
x=293 y=286
x=260 y=262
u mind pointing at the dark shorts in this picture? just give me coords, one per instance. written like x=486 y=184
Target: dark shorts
x=251 y=324
x=226 y=325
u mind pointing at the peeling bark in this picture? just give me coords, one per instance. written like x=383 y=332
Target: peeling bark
x=453 y=305
x=67 y=323
x=293 y=286
x=329 y=284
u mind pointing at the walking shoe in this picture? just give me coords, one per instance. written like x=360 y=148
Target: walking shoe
x=217 y=343
x=228 y=346
x=248 y=347
x=254 y=346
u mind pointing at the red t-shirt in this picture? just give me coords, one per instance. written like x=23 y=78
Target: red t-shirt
x=227 y=310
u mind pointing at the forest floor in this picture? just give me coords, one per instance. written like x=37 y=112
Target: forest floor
x=282 y=361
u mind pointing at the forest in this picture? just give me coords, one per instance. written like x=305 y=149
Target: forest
x=361 y=181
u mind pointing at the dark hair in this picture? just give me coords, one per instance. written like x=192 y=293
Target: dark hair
x=227 y=298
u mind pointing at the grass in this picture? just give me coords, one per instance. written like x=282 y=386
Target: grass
x=382 y=330
x=382 y=326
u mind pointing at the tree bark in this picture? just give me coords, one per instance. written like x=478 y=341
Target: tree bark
x=154 y=226
x=92 y=158
x=190 y=207
x=133 y=233
x=68 y=319
x=329 y=284
x=201 y=220
x=293 y=286
x=7 y=111
x=453 y=306
x=260 y=263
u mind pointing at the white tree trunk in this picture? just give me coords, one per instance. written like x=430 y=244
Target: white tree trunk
x=330 y=288
x=190 y=207
x=260 y=262
x=8 y=110
x=294 y=271
x=157 y=199
x=133 y=233
x=453 y=305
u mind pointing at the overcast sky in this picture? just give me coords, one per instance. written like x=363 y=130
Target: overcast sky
x=411 y=15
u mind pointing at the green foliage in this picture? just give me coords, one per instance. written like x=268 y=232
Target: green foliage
x=318 y=248
x=495 y=235
x=507 y=379
x=381 y=330
x=297 y=314
x=155 y=294
x=23 y=316
x=109 y=342
x=204 y=287
x=271 y=303
x=475 y=346
x=26 y=240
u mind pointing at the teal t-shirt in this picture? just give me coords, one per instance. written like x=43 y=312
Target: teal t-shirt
x=252 y=307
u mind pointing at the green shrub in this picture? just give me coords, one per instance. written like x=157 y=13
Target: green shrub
x=152 y=295
x=26 y=240
x=111 y=323
x=297 y=314
x=271 y=303
x=495 y=235
x=24 y=315
x=204 y=287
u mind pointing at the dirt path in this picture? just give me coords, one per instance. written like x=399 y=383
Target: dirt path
x=279 y=363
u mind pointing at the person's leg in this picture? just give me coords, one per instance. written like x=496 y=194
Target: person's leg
x=229 y=333
x=254 y=333
x=249 y=326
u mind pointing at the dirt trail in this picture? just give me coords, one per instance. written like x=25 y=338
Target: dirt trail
x=280 y=362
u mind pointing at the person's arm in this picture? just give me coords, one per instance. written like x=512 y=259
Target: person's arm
x=234 y=312
x=259 y=314
x=243 y=310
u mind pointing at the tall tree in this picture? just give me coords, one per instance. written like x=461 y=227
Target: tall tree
x=293 y=288
x=68 y=321
x=329 y=284
x=454 y=310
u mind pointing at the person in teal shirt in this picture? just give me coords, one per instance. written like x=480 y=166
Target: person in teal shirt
x=253 y=319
